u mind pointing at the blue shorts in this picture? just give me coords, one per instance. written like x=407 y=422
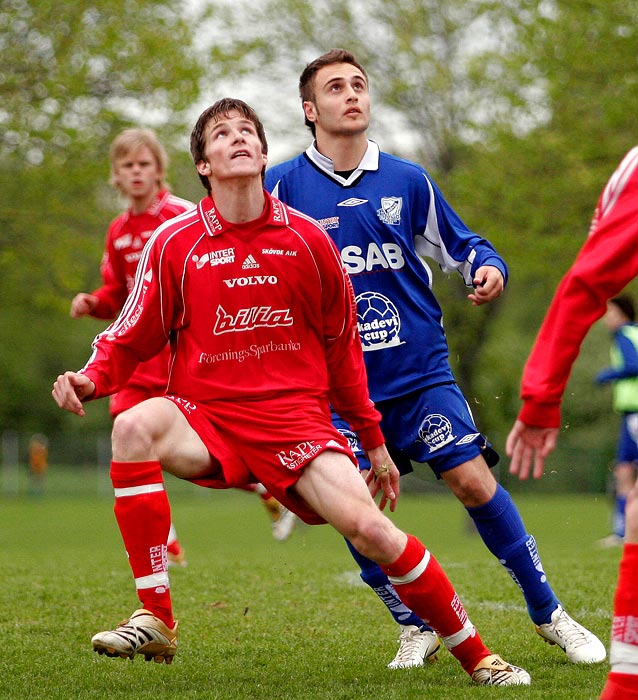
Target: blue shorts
x=627 y=449
x=433 y=426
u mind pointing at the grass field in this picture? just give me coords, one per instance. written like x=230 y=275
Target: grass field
x=265 y=620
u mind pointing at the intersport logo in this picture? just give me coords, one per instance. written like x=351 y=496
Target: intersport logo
x=251 y=281
x=253 y=317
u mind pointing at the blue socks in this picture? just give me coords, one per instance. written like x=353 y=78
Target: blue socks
x=500 y=526
x=372 y=575
x=619 y=515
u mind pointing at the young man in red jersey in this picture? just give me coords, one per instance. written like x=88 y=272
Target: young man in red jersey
x=605 y=265
x=139 y=164
x=261 y=319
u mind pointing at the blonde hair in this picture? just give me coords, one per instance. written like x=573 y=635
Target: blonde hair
x=131 y=140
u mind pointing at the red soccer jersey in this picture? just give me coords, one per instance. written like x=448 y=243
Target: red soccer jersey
x=605 y=265
x=125 y=239
x=251 y=311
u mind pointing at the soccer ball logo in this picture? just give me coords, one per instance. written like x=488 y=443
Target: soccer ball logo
x=436 y=431
x=379 y=321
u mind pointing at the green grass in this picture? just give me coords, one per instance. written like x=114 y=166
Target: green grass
x=261 y=619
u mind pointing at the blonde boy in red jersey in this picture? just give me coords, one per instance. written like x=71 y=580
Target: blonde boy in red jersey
x=138 y=172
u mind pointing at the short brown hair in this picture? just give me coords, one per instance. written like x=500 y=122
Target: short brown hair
x=306 y=80
x=130 y=141
x=223 y=107
x=626 y=305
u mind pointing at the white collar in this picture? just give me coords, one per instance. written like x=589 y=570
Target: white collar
x=370 y=161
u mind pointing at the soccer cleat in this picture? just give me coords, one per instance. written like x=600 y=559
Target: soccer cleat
x=580 y=645
x=177 y=558
x=415 y=646
x=284 y=525
x=273 y=507
x=610 y=541
x=142 y=633
x=492 y=670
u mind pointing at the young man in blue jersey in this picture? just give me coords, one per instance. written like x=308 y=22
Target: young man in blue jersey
x=620 y=320
x=384 y=214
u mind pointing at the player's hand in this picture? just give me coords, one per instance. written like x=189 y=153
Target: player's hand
x=69 y=389
x=526 y=444
x=488 y=285
x=83 y=304
x=383 y=476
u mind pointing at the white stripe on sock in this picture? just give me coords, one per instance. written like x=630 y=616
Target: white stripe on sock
x=139 y=490
x=413 y=574
x=623 y=657
x=153 y=581
x=457 y=638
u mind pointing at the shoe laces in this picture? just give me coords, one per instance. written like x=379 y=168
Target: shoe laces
x=409 y=641
x=570 y=631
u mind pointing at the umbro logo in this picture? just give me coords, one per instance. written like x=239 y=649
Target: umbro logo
x=352 y=202
x=468 y=438
x=249 y=263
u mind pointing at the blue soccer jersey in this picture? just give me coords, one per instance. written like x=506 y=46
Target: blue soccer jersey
x=385 y=217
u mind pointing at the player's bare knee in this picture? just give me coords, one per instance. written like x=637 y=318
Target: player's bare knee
x=131 y=435
x=378 y=539
x=472 y=482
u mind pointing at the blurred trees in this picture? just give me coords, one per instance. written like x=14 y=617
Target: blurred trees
x=71 y=76
x=520 y=110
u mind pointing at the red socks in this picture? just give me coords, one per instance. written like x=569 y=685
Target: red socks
x=143 y=514
x=424 y=587
x=622 y=681
x=620 y=686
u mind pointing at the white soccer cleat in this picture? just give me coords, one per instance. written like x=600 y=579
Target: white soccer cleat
x=177 y=559
x=580 y=645
x=610 y=541
x=284 y=525
x=415 y=646
x=492 y=670
x=142 y=633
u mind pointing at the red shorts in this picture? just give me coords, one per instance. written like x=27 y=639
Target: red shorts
x=130 y=396
x=264 y=441
x=149 y=380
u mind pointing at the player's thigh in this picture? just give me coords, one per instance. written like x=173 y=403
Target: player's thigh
x=159 y=430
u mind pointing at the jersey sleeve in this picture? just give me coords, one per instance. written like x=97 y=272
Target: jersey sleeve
x=348 y=383
x=447 y=240
x=607 y=262
x=139 y=332
x=113 y=292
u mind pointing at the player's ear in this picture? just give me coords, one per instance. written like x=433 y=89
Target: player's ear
x=203 y=168
x=310 y=111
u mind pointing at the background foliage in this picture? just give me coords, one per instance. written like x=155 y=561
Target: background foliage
x=520 y=110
